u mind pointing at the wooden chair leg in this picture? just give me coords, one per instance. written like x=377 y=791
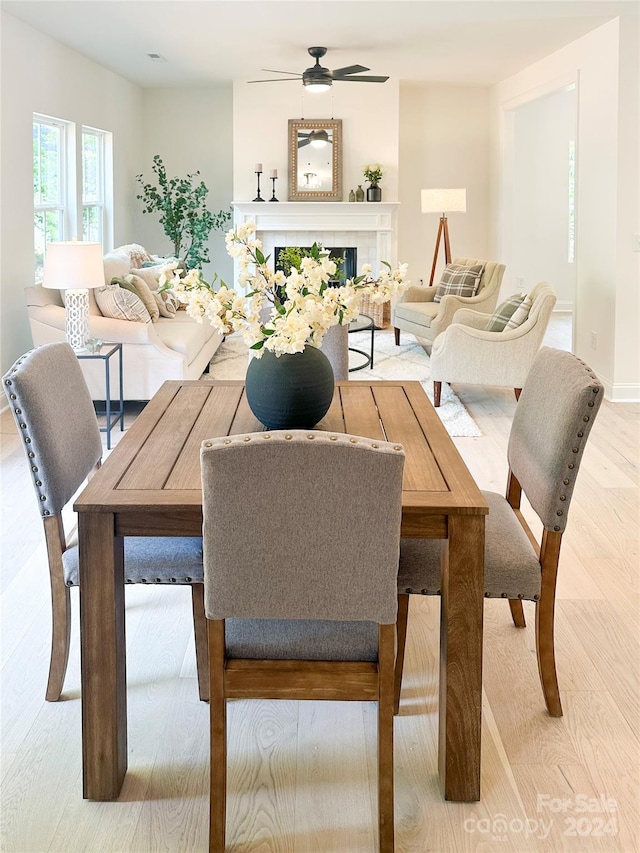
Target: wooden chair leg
x=396 y=333
x=218 y=739
x=401 y=642
x=200 y=634
x=545 y=614
x=60 y=608
x=517 y=392
x=437 y=390
x=386 y=647
x=517 y=613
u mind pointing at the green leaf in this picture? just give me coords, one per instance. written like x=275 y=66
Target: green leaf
x=258 y=345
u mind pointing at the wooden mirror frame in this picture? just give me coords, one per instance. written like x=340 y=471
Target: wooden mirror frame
x=335 y=193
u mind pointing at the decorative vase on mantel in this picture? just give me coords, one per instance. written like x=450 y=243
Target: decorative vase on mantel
x=359 y=193
x=374 y=193
x=290 y=391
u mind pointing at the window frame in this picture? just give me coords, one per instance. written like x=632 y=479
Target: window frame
x=61 y=205
x=98 y=204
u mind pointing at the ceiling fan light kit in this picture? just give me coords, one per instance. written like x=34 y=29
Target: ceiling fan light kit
x=320 y=79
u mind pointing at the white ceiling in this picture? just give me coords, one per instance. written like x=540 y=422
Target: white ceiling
x=475 y=42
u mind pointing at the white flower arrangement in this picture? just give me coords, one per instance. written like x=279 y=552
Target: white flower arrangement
x=279 y=313
x=373 y=172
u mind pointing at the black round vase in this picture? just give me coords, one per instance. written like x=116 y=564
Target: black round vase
x=290 y=391
x=374 y=193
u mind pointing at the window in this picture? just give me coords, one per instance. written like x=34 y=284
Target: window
x=62 y=165
x=93 y=147
x=49 y=186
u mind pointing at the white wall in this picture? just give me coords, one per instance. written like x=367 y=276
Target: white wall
x=444 y=142
x=538 y=245
x=41 y=75
x=369 y=114
x=191 y=130
x=607 y=282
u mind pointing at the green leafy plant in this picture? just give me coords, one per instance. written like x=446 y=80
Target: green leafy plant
x=182 y=205
x=373 y=173
x=291 y=257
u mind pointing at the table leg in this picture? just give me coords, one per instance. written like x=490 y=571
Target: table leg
x=103 y=663
x=461 y=658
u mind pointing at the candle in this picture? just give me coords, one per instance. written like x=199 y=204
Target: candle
x=258 y=167
x=274 y=173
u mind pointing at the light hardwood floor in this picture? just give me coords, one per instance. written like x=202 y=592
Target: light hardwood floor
x=302 y=775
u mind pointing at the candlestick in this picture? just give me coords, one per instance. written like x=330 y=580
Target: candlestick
x=258 y=173
x=274 y=178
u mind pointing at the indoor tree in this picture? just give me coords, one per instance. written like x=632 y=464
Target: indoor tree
x=182 y=205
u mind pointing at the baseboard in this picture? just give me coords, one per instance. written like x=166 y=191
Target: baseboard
x=621 y=392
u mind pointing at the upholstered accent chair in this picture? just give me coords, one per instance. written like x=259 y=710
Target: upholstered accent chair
x=56 y=420
x=415 y=310
x=467 y=353
x=302 y=604
x=552 y=422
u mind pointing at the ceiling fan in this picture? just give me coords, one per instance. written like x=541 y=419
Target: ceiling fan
x=320 y=79
x=315 y=138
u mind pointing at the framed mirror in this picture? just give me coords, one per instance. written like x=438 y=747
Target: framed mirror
x=315 y=159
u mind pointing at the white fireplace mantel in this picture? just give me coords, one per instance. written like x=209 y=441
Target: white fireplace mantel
x=367 y=226
x=317 y=215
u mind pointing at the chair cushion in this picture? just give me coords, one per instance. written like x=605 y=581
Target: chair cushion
x=512 y=569
x=459 y=280
x=503 y=313
x=301 y=639
x=421 y=313
x=175 y=560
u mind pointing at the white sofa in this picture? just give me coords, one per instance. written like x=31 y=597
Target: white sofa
x=171 y=348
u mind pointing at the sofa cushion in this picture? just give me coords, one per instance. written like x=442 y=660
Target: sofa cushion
x=459 y=280
x=503 y=312
x=120 y=304
x=187 y=338
x=421 y=313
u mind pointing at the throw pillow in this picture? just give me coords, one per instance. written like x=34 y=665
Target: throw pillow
x=167 y=303
x=120 y=304
x=459 y=280
x=137 y=253
x=150 y=275
x=146 y=294
x=504 y=312
x=520 y=314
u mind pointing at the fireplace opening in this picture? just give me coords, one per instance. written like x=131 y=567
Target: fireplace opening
x=347 y=254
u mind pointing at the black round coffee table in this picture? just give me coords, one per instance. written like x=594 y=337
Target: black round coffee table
x=362 y=323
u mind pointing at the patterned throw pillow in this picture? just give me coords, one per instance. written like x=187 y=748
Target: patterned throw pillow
x=146 y=294
x=520 y=314
x=459 y=280
x=120 y=304
x=505 y=312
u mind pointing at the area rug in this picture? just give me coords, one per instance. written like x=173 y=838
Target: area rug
x=408 y=361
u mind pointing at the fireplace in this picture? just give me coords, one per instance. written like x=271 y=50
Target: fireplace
x=367 y=229
x=347 y=254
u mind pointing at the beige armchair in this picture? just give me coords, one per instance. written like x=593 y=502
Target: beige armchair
x=466 y=352
x=416 y=312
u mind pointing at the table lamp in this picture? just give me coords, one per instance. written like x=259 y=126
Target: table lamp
x=74 y=267
x=443 y=202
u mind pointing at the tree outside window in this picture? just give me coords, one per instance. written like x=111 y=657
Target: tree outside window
x=48 y=188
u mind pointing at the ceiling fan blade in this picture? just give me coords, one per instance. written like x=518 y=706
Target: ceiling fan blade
x=303 y=142
x=348 y=69
x=276 y=80
x=362 y=79
x=276 y=71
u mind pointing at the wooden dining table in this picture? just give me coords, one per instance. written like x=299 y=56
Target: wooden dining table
x=150 y=486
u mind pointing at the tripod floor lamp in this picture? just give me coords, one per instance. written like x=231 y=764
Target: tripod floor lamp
x=443 y=202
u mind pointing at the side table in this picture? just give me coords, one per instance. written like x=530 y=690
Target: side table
x=362 y=323
x=111 y=413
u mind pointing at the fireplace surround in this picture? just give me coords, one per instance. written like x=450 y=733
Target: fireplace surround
x=369 y=228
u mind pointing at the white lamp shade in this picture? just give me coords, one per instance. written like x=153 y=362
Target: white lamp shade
x=444 y=201
x=73 y=266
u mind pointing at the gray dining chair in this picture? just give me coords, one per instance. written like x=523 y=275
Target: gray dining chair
x=56 y=420
x=302 y=601
x=552 y=421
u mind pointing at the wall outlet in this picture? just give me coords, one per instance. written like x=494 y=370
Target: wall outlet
x=594 y=340
x=636 y=243
x=520 y=281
